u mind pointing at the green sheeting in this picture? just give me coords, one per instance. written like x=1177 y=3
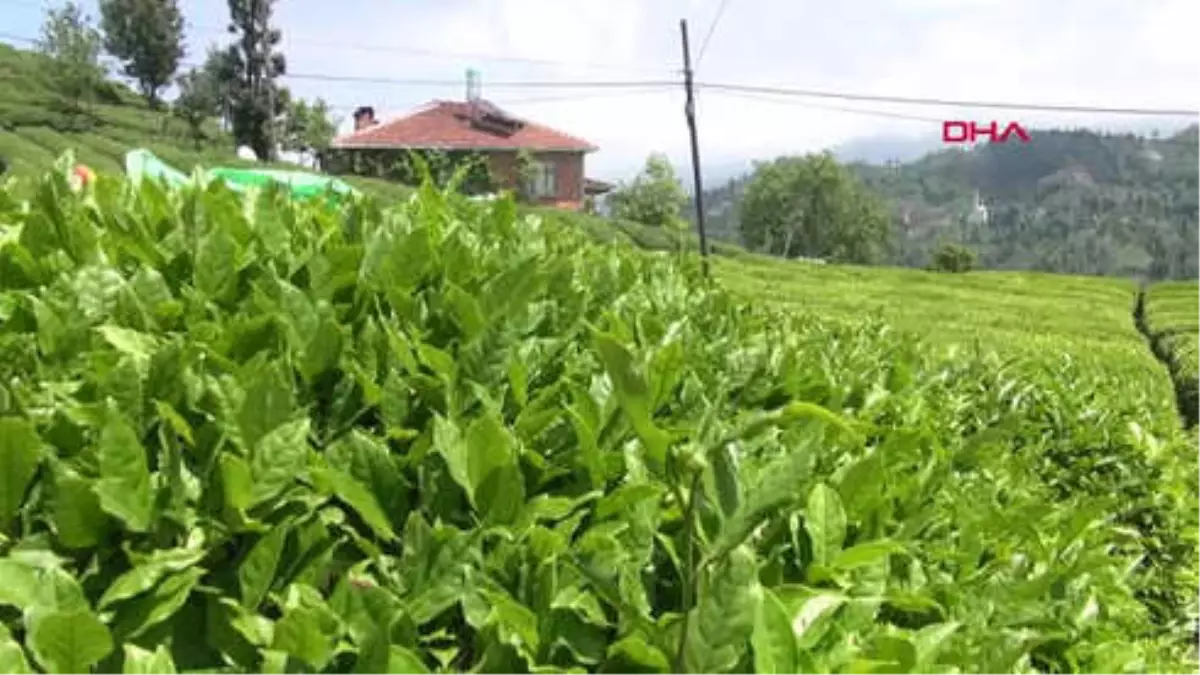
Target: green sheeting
x=302 y=184
x=141 y=163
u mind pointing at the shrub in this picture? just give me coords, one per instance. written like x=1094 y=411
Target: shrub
x=953 y=258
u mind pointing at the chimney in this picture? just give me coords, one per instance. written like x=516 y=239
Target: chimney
x=364 y=117
x=474 y=86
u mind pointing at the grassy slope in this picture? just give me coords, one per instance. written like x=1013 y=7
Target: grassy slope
x=33 y=132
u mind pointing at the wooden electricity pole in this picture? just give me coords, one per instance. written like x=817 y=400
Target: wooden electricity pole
x=690 y=111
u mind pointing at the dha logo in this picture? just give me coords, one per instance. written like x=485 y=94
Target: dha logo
x=955 y=131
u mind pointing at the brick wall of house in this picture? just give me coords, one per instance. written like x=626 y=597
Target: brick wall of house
x=568 y=167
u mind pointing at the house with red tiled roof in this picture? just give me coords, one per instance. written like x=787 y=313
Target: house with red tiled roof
x=479 y=127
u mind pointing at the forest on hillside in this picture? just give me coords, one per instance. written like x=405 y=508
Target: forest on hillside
x=1070 y=201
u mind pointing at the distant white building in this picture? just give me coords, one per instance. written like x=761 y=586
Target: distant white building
x=979 y=212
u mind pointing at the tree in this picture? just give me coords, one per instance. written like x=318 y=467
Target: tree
x=257 y=100
x=952 y=258
x=220 y=70
x=198 y=100
x=72 y=48
x=308 y=128
x=654 y=198
x=147 y=37
x=813 y=207
x=527 y=173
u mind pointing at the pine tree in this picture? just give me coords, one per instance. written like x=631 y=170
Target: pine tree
x=257 y=101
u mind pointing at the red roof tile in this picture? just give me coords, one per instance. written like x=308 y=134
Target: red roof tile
x=448 y=125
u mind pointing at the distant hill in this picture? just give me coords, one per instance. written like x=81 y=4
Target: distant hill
x=1071 y=201
x=883 y=149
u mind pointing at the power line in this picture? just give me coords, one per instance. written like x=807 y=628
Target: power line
x=421 y=52
x=819 y=106
x=535 y=100
x=505 y=84
x=586 y=96
x=411 y=51
x=906 y=100
x=711 y=29
x=468 y=56
x=727 y=87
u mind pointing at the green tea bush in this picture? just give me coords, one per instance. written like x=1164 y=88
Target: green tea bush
x=952 y=258
x=241 y=434
x=1172 y=319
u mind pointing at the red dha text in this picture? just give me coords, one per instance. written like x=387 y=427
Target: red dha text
x=969 y=132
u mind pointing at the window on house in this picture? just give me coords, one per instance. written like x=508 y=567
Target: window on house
x=545 y=180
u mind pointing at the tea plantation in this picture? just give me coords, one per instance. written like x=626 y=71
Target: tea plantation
x=441 y=436
x=1171 y=315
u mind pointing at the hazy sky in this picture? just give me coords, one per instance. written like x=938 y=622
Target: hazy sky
x=1120 y=53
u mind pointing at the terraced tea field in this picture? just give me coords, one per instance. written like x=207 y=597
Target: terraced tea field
x=1044 y=318
x=1172 y=317
x=437 y=436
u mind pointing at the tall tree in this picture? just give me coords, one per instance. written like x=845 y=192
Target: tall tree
x=198 y=101
x=72 y=47
x=147 y=37
x=813 y=207
x=257 y=101
x=655 y=197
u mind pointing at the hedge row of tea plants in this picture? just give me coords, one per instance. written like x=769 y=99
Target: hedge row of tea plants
x=1172 y=316
x=250 y=435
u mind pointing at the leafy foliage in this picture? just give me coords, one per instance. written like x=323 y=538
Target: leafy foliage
x=197 y=102
x=1070 y=201
x=655 y=197
x=440 y=437
x=147 y=37
x=470 y=171
x=308 y=127
x=220 y=70
x=812 y=207
x=953 y=258
x=526 y=175
x=1170 y=316
x=72 y=46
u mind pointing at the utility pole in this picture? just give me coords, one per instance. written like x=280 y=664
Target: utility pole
x=690 y=111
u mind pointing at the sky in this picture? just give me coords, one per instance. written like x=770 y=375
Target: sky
x=1110 y=53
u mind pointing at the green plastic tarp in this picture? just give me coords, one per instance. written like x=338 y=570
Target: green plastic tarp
x=141 y=163
x=301 y=183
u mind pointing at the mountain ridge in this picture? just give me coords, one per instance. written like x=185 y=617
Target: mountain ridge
x=1071 y=201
